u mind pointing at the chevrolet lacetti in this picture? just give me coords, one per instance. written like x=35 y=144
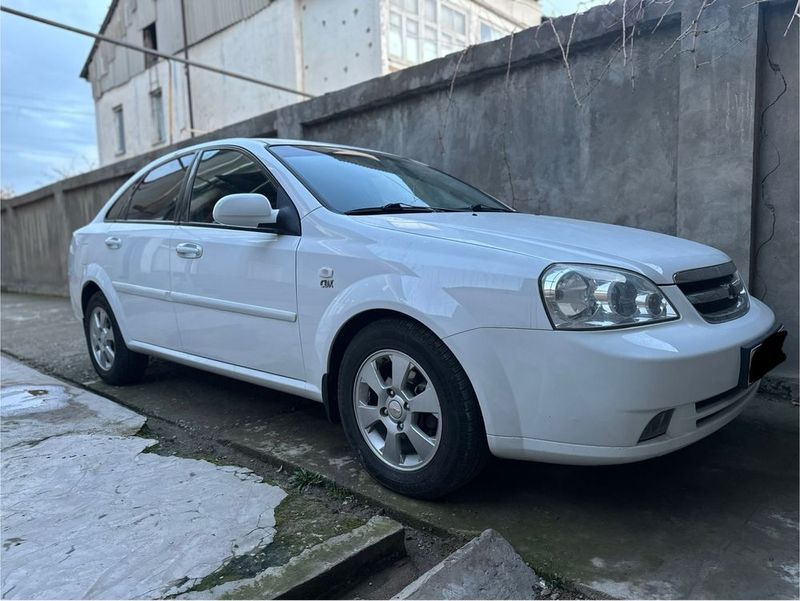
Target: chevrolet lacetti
x=438 y=324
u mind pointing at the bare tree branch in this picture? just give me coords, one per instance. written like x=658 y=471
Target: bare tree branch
x=796 y=13
x=505 y=122
x=443 y=127
x=565 y=54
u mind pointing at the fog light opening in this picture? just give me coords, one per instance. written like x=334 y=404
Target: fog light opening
x=657 y=426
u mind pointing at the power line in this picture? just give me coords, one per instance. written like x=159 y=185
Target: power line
x=150 y=51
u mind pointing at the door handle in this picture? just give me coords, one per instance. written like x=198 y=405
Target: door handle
x=189 y=250
x=113 y=242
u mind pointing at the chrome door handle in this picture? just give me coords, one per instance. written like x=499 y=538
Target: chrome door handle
x=189 y=250
x=113 y=242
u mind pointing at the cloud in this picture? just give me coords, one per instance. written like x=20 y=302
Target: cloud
x=47 y=110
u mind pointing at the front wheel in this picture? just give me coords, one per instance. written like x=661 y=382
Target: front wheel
x=409 y=410
x=111 y=358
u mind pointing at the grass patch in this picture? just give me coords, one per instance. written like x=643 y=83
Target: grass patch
x=302 y=479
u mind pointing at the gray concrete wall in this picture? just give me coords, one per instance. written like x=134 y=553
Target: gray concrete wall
x=675 y=133
x=774 y=245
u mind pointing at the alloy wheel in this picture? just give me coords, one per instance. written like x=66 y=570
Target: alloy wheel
x=397 y=410
x=101 y=336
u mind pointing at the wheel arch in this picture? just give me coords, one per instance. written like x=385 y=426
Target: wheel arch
x=90 y=287
x=96 y=280
x=342 y=339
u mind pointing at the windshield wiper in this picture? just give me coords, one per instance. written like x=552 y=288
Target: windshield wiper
x=477 y=208
x=391 y=207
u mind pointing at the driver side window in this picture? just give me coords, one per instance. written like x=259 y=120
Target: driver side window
x=223 y=172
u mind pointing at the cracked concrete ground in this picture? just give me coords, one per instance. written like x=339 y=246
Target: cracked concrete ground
x=716 y=520
x=87 y=513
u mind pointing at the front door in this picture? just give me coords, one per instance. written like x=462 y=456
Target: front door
x=234 y=289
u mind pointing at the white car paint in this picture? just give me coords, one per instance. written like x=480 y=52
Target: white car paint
x=254 y=307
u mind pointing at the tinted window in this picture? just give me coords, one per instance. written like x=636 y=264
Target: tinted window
x=223 y=172
x=345 y=179
x=156 y=197
x=117 y=210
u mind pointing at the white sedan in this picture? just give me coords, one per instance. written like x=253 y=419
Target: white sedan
x=439 y=325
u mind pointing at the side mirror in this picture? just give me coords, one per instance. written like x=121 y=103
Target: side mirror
x=244 y=210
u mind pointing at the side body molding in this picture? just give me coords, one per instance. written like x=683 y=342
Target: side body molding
x=203 y=301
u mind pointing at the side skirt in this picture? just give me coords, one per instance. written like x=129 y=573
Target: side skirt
x=276 y=382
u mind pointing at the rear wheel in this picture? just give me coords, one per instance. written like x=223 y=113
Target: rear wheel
x=409 y=410
x=111 y=358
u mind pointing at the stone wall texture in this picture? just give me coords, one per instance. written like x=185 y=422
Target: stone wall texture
x=690 y=129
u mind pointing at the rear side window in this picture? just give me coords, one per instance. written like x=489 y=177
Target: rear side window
x=223 y=172
x=156 y=197
x=117 y=210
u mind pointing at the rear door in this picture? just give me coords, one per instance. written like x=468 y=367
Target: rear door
x=138 y=253
x=233 y=288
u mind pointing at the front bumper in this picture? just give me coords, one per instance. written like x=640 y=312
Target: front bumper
x=586 y=397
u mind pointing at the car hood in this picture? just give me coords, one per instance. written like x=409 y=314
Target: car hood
x=557 y=240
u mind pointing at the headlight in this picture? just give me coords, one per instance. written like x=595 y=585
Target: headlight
x=580 y=297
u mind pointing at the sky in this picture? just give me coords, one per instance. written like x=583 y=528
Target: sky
x=46 y=111
x=47 y=126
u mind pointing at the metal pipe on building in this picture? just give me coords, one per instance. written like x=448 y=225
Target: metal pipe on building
x=186 y=68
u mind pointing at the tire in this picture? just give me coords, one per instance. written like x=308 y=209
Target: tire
x=453 y=449
x=111 y=358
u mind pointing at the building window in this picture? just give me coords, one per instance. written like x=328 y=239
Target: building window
x=119 y=129
x=421 y=30
x=489 y=33
x=149 y=40
x=412 y=41
x=395 y=34
x=430 y=43
x=404 y=29
x=157 y=116
x=409 y=6
x=454 y=30
x=430 y=11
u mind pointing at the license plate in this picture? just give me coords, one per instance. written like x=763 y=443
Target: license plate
x=762 y=357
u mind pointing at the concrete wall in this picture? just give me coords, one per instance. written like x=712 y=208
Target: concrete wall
x=671 y=134
x=775 y=211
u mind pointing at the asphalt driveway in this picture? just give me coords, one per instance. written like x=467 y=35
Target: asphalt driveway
x=716 y=520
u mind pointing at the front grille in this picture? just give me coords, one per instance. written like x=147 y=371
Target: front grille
x=717 y=292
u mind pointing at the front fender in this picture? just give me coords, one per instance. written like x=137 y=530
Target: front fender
x=404 y=294
x=436 y=310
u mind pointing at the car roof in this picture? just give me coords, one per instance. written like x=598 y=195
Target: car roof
x=247 y=142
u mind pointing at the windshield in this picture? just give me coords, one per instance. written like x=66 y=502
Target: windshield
x=347 y=180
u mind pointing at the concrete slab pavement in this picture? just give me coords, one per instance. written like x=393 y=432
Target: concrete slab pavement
x=86 y=513
x=716 y=520
x=487 y=567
